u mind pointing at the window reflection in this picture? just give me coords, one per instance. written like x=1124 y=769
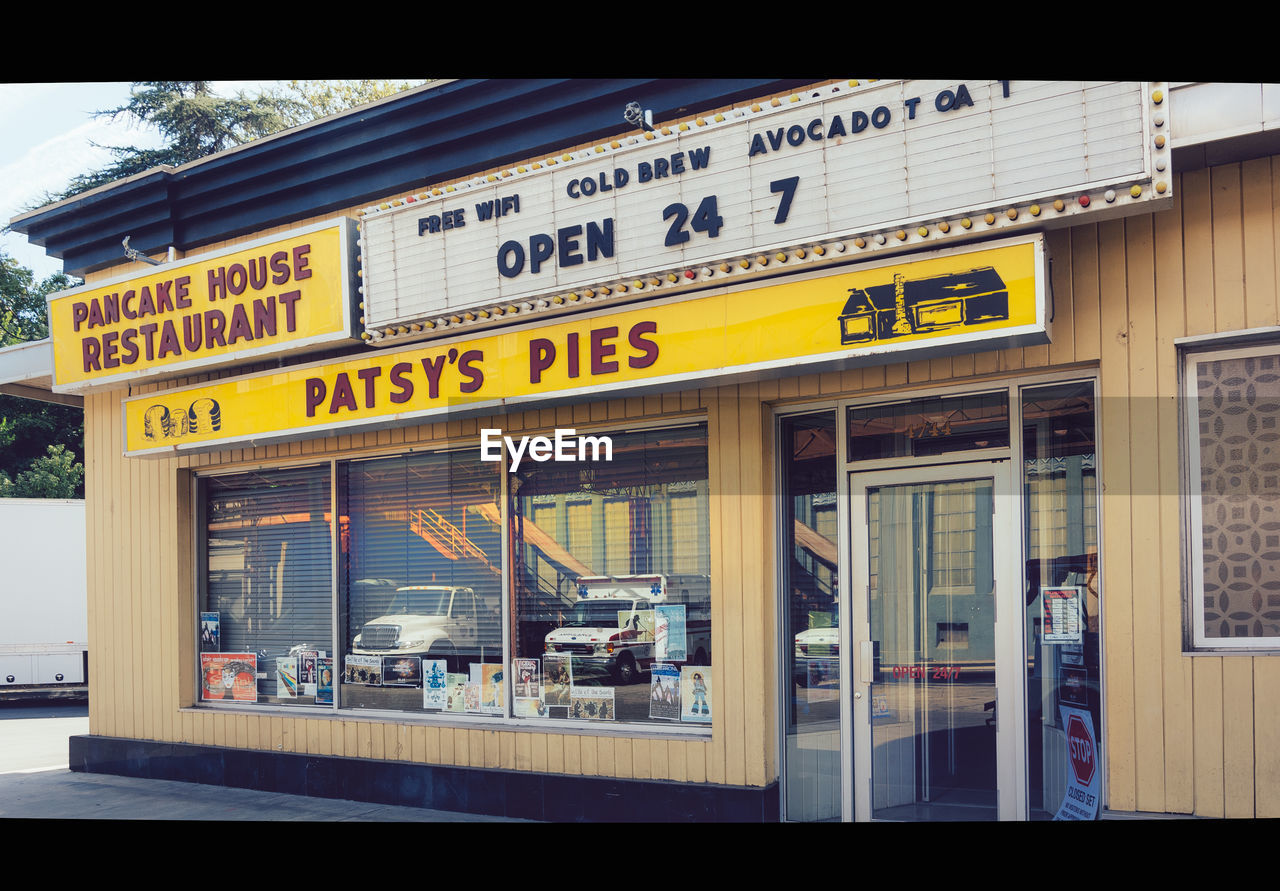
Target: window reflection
x=612 y=582
x=1061 y=516
x=811 y=610
x=421 y=559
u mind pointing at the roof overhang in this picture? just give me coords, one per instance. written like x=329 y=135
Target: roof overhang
x=26 y=370
x=433 y=134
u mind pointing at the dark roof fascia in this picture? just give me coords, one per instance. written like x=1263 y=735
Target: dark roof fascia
x=404 y=144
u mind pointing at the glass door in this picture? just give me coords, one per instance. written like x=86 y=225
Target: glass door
x=934 y=669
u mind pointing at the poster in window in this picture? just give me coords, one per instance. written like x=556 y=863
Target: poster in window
x=530 y=708
x=1074 y=687
x=664 y=692
x=695 y=694
x=490 y=677
x=435 y=689
x=307 y=671
x=366 y=670
x=636 y=625
x=527 y=688
x=527 y=684
x=324 y=680
x=401 y=671
x=592 y=703
x=557 y=674
x=668 y=633
x=287 y=677
x=229 y=676
x=210 y=632
x=456 y=685
x=1063 y=619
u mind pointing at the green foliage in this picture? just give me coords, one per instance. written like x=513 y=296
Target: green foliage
x=23 y=313
x=56 y=475
x=195 y=122
x=27 y=427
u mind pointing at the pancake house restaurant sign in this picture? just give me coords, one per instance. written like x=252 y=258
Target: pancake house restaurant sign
x=283 y=294
x=976 y=297
x=885 y=164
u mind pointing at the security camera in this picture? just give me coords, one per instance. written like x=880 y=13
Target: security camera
x=637 y=116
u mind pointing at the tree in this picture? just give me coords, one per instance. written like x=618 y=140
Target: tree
x=56 y=475
x=195 y=122
x=23 y=313
x=28 y=427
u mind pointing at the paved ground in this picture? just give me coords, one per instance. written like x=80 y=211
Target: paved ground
x=36 y=784
x=63 y=795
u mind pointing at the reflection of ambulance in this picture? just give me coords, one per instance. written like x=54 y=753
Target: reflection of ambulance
x=611 y=626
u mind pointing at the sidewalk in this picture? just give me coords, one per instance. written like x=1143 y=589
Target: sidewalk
x=63 y=795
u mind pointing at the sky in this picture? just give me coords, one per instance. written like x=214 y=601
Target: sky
x=47 y=136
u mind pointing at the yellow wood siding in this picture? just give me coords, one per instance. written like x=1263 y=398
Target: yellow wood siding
x=143 y=616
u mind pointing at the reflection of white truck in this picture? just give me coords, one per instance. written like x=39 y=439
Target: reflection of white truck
x=817 y=655
x=611 y=627
x=435 y=621
x=44 y=614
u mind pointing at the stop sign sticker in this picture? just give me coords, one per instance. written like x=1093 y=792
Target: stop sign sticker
x=1080 y=798
x=1080 y=750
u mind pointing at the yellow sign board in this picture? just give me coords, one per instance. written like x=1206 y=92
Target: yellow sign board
x=945 y=301
x=282 y=294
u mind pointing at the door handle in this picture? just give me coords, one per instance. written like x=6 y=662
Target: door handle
x=865 y=661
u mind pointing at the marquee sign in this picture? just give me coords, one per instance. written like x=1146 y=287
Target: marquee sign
x=982 y=296
x=281 y=294
x=882 y=165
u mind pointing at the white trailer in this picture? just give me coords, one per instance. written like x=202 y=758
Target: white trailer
x=44 y=617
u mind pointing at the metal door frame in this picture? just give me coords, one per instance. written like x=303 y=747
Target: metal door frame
x=1009 y=646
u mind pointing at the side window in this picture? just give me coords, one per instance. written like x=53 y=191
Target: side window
x=611 y=577
x=1232 y=416
x=420 y=583
x=265 y=627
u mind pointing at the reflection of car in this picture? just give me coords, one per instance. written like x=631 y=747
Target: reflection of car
x=434 y=621
x=817 y=654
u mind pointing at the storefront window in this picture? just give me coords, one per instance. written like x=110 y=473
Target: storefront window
x=1062 y=586
x=811 y=614
x=608 y=560
x=421 y=583
x=266 y=632
x=931 y=426
x=1234 y=547
x=611 y=572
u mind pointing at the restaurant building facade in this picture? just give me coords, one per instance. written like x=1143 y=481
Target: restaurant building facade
x=692 y=450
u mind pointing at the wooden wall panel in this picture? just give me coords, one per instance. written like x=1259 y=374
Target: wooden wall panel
x=1144 y=481
x=1266 y=736
x=1176 y=669
x=1117 y=543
